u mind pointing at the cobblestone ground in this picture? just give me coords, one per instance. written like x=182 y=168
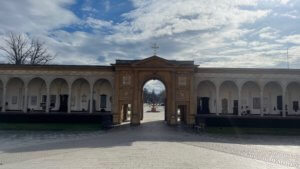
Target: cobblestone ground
x=151 y=145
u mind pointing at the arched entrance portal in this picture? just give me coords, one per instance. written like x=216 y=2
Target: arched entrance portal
x=165 y=78
x=154 y=101
x=177 y=77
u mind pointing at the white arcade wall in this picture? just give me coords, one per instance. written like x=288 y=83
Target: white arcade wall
x=253 y=101
x=271 y=91
x=228 y=93
x=80 y=95
x=37 y=95
x=103 y=88
x=36 y=91
x=293 y=98
x=208 y=89
x=15 y=94
x=251 y=98
x=250 y=93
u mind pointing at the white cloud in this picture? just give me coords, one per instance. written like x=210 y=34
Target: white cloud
x=34 y=16
x=291 y=39
x=284 y=1
x=294 y=14
x=165 y=18
x=97 y=23
x=268 y=33
x=212 y=32
x=88 y=9
x=106 y=5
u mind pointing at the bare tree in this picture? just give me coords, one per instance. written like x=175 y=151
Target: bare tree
x=16 y=48
x=20 y=49
x=39 y=54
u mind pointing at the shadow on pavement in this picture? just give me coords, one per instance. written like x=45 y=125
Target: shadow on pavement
x=157 y=131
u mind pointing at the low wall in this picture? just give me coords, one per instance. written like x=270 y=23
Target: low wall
x=240 y=121
x=104 y=119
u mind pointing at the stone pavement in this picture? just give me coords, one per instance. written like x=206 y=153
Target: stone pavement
x=151 y=145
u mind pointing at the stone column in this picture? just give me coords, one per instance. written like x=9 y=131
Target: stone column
x=25 y=98
x=283 y=101
x=173 y=108
x=70 y=98
x=48 y=99
x=125 y=112
x=113 y=107
x=193 y=100
x=116 y=109
x=218 y=99
x=4 y=98
x=91 y=98
x=262 y=101
x=239 y=100
x=135 y=117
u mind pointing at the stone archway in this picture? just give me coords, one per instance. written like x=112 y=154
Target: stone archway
x=15 y=94
x=206 y=97
x=144 y=79
x=37 y=95
x=229 y=97
x=292 y=98
x=250 y=98
x=80 y=90
x=177 y=76
x=153 y=100
x=273 y=100
x=59 y=95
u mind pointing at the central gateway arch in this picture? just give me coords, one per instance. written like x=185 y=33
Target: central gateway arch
x=177 y=76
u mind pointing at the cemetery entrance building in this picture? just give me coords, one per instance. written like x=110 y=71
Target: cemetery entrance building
x=117 y=90
x=177 y=76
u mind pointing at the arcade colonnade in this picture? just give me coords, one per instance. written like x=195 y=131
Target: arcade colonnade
x=66 y=94
x=190 y=90
x=248 y=97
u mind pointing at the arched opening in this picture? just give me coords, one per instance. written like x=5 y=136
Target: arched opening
x=250 y=100
x=102 y=96
x=229 y=98
x=59 y=95
x=15 y=95
x=80 y=96
x=37 y=95
x=293 y=98
x=154 y=101
x=206 y=98
x=272 y=99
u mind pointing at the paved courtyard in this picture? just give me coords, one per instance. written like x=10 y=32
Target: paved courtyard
x=151 y=145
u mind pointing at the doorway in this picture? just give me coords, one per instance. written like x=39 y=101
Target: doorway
x=279 y=104
x=103 y=100
x=235 y=107
x=154 y=101
x=126 y=112
x=205 y=105
x=63 y=106
x=181 y=112
x=224 y=106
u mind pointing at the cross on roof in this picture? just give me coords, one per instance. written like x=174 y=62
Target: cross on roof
x=155 y=47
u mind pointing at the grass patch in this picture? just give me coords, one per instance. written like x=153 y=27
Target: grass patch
x=256 y=131
x=51 y=126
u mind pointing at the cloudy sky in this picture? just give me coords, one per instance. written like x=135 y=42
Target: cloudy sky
x=213 y=33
